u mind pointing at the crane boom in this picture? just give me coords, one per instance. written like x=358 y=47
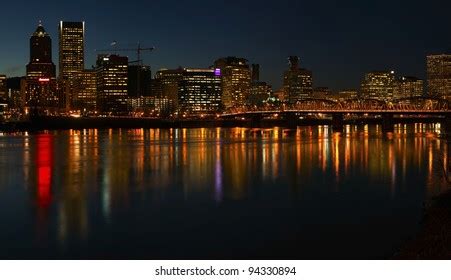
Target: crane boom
x=138 y=51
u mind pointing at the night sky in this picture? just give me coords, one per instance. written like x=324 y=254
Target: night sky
x=337 y=40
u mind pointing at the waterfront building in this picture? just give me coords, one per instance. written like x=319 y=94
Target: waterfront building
x=346 y=94
x=139 y=80
x=439 y=76
x=85 y=90
x=71 y=49
x=200 y=91
x=321 y=93
x=150 y=106
x=407 y=87
x=236 y=80
x=378 y=85
x=297 y=82
x=112 y=84
x=166 y=84
x=3 y=96
x=3 y=89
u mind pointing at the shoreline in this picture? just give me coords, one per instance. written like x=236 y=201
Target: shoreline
x=64 y=123
x=433 y=240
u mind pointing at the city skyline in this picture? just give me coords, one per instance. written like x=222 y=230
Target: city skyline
x=269 y=47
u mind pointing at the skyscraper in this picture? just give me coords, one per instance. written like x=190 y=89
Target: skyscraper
x=297 y=82
x=71 y=49
x=236 y=80
x=112 y=84
x=41 y=65
x=439 y=75
x=139 y=80
x=378 y=85
x=40 y=83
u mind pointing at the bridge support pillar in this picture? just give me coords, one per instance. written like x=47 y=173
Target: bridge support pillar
x=387 y=123
x=337 y=122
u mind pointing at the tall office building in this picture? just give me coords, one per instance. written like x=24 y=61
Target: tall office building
x=3 y=96
x=236 y=80
x=439 y=75
x=71 y=49
x=3 y=89
x=112 y=84
x=200 y=91
x=40 y=83
x=41 y=64
x=297 y=82
x=407 y=87
x=139 y=80
x=378 y=85
x=85 y=90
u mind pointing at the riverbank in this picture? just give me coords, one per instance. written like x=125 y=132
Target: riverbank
x=434 y=239
x=56 y=123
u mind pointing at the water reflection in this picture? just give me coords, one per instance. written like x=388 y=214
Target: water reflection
x=91 y=177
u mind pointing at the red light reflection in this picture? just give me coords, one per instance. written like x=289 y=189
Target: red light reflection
x=44 y=165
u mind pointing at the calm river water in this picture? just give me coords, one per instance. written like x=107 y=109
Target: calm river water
x=217 y=193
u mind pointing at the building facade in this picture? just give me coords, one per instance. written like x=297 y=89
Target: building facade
x=3 y=97
x=439 y=76
x=408 y=87
x=322 y=92
x=112 y=84
x=346 y=94
x=85 y=90
x=297 y=82
x=71 y=49
x=236 y=80
x=378 y=85
x=200 y=91
x=166 y=84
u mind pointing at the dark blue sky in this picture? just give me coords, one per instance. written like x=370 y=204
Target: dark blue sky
x=337 y=40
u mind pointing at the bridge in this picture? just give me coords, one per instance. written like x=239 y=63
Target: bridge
x=406 y=106
x=355 y=108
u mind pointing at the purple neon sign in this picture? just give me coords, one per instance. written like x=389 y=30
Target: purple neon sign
x=217 y=72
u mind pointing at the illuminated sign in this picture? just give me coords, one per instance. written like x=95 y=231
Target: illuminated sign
x=44 y=80
x=217 y=72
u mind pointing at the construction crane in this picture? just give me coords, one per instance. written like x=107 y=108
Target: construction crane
x=138 y=51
